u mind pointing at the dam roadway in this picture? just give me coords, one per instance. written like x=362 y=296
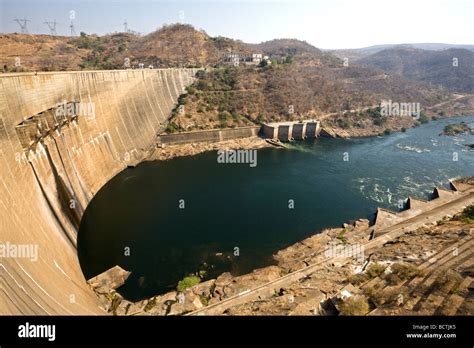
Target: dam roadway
x=444 y=209
x=45 y=190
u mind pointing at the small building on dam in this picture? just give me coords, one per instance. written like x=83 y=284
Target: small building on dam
x=292 y=130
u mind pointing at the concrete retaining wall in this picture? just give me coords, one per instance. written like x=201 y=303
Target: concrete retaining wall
x=213 y=135
x=43 y=195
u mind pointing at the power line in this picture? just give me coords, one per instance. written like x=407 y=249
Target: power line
x=73 y=30
x=52 y=27
x=23 y=23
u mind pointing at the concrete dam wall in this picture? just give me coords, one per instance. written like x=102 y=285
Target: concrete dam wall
x=53 y=164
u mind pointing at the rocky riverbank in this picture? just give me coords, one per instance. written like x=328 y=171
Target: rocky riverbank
x=426 y=267
x=172 y=151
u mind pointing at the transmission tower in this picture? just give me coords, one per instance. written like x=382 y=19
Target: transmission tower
x=52 y=27
x=22 y=23
x=125 y=27
x=73 y=31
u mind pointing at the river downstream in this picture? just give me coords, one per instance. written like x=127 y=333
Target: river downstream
x=164 y=220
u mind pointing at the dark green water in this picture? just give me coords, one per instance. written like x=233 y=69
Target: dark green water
x=234 y=205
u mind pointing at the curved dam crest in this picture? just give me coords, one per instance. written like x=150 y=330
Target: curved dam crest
x=43 y=194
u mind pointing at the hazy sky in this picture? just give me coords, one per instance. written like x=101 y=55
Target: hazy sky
x=325 y=24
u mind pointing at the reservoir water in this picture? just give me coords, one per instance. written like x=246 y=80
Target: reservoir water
x=165 y=220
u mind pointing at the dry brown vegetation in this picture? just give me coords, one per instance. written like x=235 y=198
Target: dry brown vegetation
x=170 y=46
x=302 y=81
x=434 y=67
x=230 y=97
x=354 y=305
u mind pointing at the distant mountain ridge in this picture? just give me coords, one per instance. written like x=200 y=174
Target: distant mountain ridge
x=452 y=68
x=357 y=53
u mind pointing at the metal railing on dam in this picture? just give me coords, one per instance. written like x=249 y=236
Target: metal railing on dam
x=50 y=171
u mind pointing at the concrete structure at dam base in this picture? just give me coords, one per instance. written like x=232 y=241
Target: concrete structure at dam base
x=211 y=135
x=293 y=130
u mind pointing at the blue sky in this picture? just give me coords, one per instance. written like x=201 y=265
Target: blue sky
x=325 y=24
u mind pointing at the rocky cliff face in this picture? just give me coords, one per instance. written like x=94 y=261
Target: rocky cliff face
x=53 y=164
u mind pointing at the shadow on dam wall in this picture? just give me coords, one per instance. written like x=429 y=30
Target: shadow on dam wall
x=44 y=191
